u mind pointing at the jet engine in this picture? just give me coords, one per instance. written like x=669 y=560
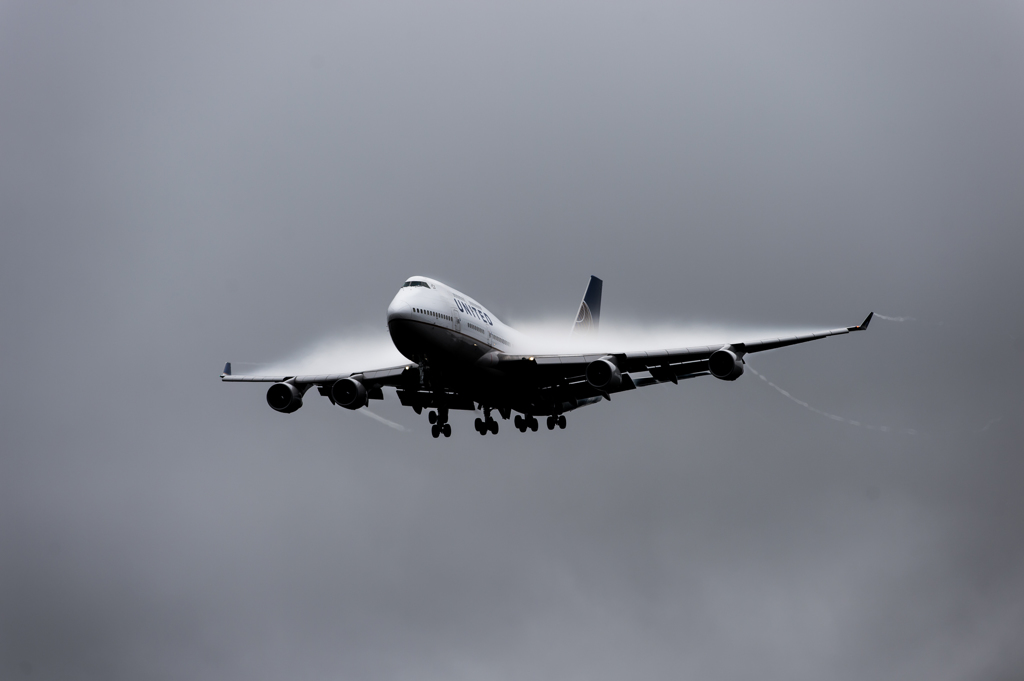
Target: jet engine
x=603 y=374
x=284 y=397
x=725 y=364
x=349 y=393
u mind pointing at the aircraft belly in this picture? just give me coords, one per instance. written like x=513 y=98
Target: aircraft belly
x=434 y=345
x=451 y=360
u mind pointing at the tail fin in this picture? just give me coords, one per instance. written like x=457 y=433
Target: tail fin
x=589 y=316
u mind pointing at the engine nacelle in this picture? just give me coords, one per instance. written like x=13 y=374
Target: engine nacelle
x=603 y=374
x=284 y=397
x=725 y=364
x=349 y=393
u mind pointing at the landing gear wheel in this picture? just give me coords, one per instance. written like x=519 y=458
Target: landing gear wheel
x=480 y=427
x=551 y=423
x=519 y=422
x=493 y=426
x=447 y=429
x=533 y=424
x=561 y=421
x=432 y=417
x=435 y=429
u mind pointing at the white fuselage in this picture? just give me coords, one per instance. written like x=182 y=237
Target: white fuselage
x=430 y=321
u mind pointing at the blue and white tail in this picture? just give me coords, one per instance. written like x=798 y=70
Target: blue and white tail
x=589 y=316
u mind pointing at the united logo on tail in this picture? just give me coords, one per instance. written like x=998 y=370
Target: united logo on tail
x=589 y=316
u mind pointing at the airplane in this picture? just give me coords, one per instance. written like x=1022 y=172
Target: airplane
x=463 y=357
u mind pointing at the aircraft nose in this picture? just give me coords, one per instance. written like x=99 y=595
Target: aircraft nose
x=399 y=309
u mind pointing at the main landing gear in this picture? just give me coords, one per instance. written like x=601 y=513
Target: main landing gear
x=440 y=420
x=556 y=421
x=440 y=426
x=524 y=422
x=486 y=423
x=528 y=422
x=483 y=427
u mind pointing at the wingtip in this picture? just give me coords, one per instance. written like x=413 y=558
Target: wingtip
x=227 y=370
x=863 y=325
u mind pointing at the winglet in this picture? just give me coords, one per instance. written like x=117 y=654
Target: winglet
x=227 y=369
x=864 y=324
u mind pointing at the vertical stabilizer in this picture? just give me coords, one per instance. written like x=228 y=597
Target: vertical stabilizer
x=589 y=316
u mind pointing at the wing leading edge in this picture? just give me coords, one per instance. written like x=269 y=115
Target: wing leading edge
x=391 y=376
x=669 y=365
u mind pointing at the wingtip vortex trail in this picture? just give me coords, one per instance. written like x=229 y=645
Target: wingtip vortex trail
x=833 y=417
x=377 y=417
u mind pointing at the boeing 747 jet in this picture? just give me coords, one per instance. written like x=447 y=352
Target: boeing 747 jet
x=461 y=356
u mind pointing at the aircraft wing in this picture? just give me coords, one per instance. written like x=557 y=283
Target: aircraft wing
x=392 y=376
x=537 y=380
x=567 y=373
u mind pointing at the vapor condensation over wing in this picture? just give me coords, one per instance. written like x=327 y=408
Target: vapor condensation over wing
x=373 y=350
x=359 y=352
x=551 y=337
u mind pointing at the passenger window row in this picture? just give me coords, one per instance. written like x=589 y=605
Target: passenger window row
x=431 y=313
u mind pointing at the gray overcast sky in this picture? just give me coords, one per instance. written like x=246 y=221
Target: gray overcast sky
x=186 y=183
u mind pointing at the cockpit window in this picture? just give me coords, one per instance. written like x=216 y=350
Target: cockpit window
x=416 y=283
